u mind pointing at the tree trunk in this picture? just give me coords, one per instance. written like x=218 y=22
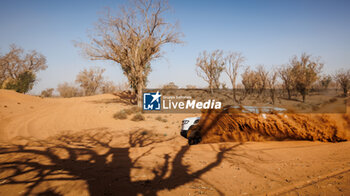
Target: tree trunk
x=211 y=87
x=345 y=92
x=272 y=91
x=139 y=95
x=289 y=95
x=234 y=95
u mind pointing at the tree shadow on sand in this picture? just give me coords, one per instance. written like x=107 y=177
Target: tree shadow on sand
x=74 y=157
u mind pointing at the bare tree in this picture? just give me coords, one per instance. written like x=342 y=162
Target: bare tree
x=255 y=80
x=306 y=71
x=3 y=71
x=233 y=61
x=261 y=79
x=223 y=85
x=189 y=86
x=249 y=80
x=210 y=66
x=16 y=63
x=342 y=77
x=90 y=80
x=325 y=81
x=68 y=90
x=47 y=92
x=271 y=83
x=108 y=87
x=133 y=39
x=288 y=78
x=123 y=86
x=170 y=85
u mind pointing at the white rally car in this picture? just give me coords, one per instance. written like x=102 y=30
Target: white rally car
x=187 y=123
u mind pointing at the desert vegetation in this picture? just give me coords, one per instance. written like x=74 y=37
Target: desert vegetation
x=306 y=72
x=18 y=69
x=300 y=75
x=234 y=60
x=124 y=113
x=170 y=85
x=68 y=90
x=210 y=65
x=109 y=87
x=133 y=39
x=325 y=81
x=138 y=117
x=146 y=30
x=47 y=92
x=343 y=79
x=88 y=82
x=162 y=119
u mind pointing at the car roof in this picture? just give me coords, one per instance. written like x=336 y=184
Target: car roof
x=192 y=118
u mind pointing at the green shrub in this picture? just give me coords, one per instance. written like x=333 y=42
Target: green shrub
x=22 y=84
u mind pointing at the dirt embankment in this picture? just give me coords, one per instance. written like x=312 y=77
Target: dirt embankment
x=219 y=126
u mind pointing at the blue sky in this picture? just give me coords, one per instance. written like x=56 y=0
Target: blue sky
x=266 y=32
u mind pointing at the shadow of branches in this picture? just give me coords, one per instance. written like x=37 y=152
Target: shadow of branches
x=78 y=157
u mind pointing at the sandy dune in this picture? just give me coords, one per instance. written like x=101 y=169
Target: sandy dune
x=56 y=146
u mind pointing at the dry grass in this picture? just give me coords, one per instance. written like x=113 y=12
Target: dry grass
x=138 y=117
x=159 y=118
x=132 y=110
x=121 y=115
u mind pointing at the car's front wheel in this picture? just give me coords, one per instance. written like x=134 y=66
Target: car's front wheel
x=194 y=135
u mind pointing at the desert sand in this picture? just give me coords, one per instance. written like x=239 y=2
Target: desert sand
x=74 y=146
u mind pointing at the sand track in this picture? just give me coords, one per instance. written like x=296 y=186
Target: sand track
x=75 y=147
x=307 y=183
